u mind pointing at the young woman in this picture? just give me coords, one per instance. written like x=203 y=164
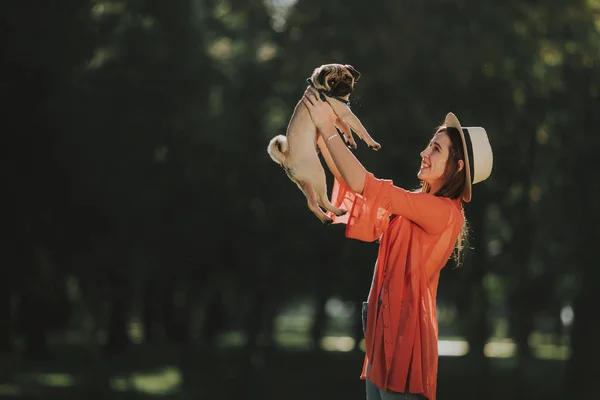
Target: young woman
x=418 y=232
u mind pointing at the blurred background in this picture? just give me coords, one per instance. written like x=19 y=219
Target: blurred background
x=154 y=250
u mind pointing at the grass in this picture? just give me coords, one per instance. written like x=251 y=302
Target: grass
x=167 y=373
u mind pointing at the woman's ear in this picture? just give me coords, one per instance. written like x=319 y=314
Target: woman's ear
x=461 y=165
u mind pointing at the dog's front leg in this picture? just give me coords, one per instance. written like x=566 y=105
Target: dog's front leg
x=343 y=112
x=347 y=132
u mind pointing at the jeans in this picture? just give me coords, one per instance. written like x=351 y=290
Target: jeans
x=374 y=393
x=363 y=316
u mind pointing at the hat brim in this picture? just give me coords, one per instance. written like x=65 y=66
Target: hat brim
x=452 y=121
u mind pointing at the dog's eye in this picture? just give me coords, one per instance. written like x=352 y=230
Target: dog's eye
x=348 y=78
x=331 y=82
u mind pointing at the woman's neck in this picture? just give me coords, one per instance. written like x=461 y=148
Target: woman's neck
x=435 y=187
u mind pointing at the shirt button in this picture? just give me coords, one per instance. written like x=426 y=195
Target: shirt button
x=385 y=325
x=387 y=342
x=384 y=273
x=385 y=306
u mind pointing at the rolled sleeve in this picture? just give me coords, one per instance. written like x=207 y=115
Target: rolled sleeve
x=368 y=213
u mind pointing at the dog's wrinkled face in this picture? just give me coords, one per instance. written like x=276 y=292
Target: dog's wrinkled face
x=337 y=79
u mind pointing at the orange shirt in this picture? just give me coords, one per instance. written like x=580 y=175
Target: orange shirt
x=414 y=246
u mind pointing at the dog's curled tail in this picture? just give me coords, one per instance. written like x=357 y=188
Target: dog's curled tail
x=277 y=149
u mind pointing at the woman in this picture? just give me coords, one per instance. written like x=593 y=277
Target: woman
x=418 y=231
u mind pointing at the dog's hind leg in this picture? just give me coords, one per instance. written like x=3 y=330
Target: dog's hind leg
x=320 y=187
x=311 y=197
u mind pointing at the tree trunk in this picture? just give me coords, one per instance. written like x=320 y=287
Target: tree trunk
x=252 y=363
x=120 y=300
x=151 y=312
x=6 y=324
x=358 y=333
x=118 y=337
x=322 y=294
x=254 y=320
x=585 y=352
x=475 y=306
x=521 y=302
x=212 y=320
x=33 y=314
x=318 y=327
x=177 y=315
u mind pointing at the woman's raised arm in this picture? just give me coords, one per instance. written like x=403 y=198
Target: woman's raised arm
x=324 y=118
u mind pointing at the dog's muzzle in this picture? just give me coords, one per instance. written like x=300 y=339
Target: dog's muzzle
x=341 y=89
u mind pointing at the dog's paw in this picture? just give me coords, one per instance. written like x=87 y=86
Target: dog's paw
x=375 y=146
x=342 y=212
x=351 y=144
x=327 y=221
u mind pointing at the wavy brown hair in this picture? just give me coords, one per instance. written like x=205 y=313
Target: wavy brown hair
x=454 y=182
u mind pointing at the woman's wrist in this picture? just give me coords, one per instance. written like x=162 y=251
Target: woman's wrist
x=331 y=136
x=329 y=133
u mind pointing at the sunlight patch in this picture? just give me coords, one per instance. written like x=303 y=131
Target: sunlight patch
x=504 y=349
x=337 y=343
x=453 y=348
x=10 y=390
x=56 y=380
x=279 y=10
x=164 y=382
x=293 y=340
x=119 y=384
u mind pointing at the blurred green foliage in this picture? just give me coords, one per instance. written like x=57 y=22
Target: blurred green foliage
x=135 y=168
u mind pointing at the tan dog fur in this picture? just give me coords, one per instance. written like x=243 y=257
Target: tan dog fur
x=297 y=152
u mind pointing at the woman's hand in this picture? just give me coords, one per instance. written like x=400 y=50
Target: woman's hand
x=323 y=116
x=320 y=111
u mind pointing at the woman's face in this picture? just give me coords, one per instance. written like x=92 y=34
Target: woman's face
x=434 y=159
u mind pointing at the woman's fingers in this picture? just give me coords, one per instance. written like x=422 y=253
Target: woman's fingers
x=310 y=96
x=311 y=91
x=307 y=99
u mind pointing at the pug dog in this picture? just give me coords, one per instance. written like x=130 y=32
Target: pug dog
x=298 y=151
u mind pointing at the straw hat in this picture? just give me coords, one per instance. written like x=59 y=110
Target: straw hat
x=478 y=153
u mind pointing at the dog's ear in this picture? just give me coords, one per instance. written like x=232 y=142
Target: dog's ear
x=320 y=79
x=353 y=71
